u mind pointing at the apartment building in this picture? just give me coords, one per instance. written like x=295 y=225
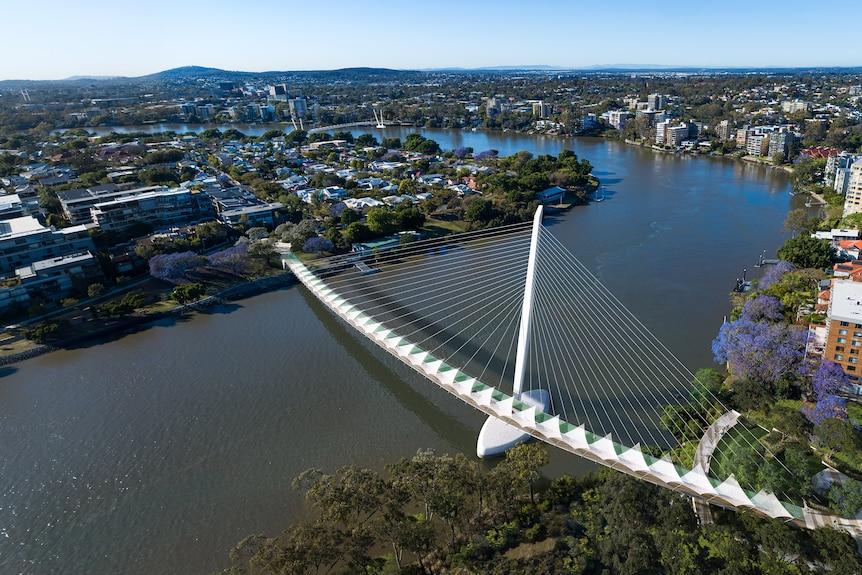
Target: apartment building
x=24 y=241
x=844 y=326
x=853 y=196
x=51 y=280
x=162 y=207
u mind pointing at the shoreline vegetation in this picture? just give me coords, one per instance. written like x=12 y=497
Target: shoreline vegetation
x=436 y=514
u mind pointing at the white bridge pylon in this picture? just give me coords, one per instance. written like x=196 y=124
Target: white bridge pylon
x=497 y=436
x=526 y=417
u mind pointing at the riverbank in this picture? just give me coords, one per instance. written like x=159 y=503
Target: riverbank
x=112 y=327
x=766 y=162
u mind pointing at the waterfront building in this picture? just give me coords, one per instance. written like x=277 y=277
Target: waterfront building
x=298 y=108
x=660 y=129
x=844 y=326
x=24 y=241
x=841 y=181
x=51 y=280
x=550 y=195
x=617 y=118
x=781 y=141
x=853 y=196
x=724 y=130
x=837 y=162
x=674 y=135
x=757 y=144
x=234 y=207
x=542 y=110
x=653 y=117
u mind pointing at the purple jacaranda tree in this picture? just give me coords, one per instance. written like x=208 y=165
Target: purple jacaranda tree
x=774 y=274
x=317 y=245
x=763 y=308
x=486 y=155
x=233 y=260
x=760 y=351
x=462 y=152
x=826 y=382
x=176 y=266
x=336 y=209
x=829 y=379
x=827 y=406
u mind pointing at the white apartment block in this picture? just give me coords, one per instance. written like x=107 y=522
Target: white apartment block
x=790 y=107
x=841 y=181
x=757 y=144
x=616 y=118
x=24 y=241
x=853 y=199
x=675 y=135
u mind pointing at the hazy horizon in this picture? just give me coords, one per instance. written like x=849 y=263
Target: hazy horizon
x=93 y=38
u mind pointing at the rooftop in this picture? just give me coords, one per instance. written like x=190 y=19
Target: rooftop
x=847 y=302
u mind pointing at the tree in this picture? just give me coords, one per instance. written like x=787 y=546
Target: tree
x=157 y=176
x=773 y=274
x=750 y=395
x=357 y=232
x=256 y=234
x=348 y=217
x=480 y=210
x=187 y=292
x=296 y=138
x=845 y=497
x=95 y=289
x=381 y=221
x=807 y=171
x=408 y=217
x=173 y=267
x=366 y=141
x=297 y=234
x=261 y=250
x=233 y=260
x=706 y=385
x=827 y=407
x=760 y=351
x=837 y=434
x=796 y=221
x=317 y=245
x=829 y=379
x=270 y=135
x=852 y=221
x=763 y=308
x=526 y=461
x=128 y=304
x=351 y=495
x=803 y=251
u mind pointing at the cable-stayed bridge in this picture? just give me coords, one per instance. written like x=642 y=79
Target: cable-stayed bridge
x=508 y=320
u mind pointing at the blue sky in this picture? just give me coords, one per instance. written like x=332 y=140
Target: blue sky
x=53 y=39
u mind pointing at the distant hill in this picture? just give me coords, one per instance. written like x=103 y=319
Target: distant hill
x=361 y=73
